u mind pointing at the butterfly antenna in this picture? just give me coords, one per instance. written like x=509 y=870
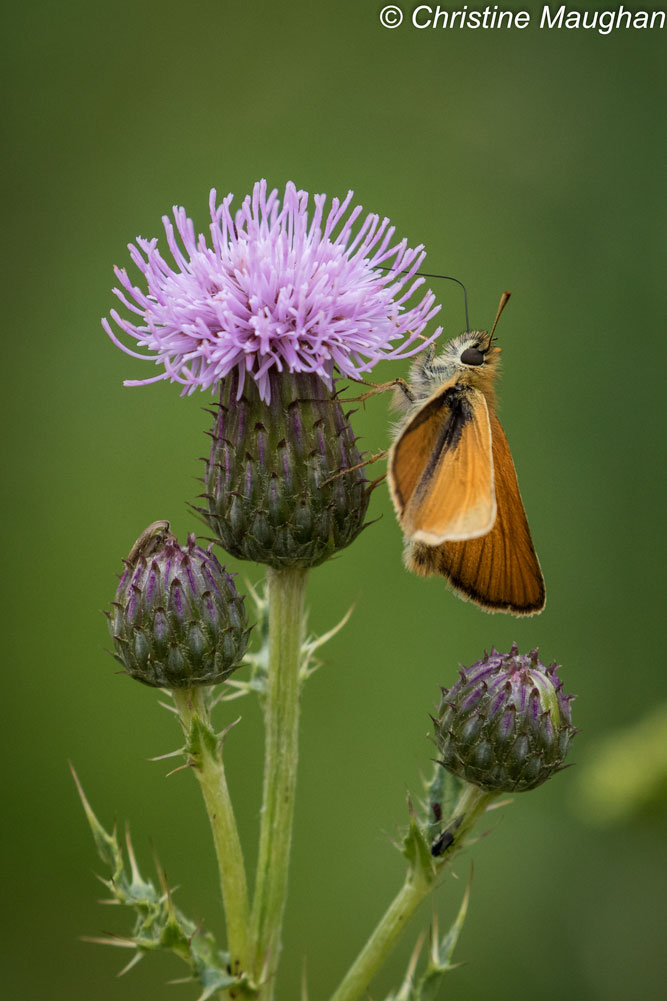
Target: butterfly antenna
x=504 y=299
x=447 y=278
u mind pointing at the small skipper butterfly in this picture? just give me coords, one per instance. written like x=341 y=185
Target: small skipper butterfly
x=453 y=483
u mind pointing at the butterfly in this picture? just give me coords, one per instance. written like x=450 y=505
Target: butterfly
x=453 y=484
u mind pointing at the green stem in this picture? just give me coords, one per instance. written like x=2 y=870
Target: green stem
x=206 y=759
x=286 y=594
x=418 y=884
x=383 y=939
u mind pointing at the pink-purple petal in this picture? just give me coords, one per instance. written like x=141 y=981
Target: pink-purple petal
x=275 y=289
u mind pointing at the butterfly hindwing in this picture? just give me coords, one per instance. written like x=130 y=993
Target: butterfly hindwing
x=500 y=571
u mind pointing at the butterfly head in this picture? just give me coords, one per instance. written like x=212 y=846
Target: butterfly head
x=470 y=358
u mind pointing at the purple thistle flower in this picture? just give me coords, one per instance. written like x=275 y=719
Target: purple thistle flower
x=276 y=290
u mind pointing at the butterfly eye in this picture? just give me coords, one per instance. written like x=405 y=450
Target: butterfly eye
x=472 y=356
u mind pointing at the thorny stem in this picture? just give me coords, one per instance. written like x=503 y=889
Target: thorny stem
x=206 y=759
x=286 y=594
x=418 y=884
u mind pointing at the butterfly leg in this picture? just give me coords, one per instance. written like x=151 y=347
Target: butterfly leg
x=381 y=387
x=359 y=465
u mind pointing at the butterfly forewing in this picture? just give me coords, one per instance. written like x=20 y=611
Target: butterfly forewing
x=442 y=470
x=500 y=571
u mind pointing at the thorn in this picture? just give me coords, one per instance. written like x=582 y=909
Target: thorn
x=404 y=990
x=372 y=485
x=136 y=875
x=253 y=593
x=115 y=940
x=133 y=962
x=316 y=643
x=180 y=768
x=79 y=787
x=222 y=736
x=497 y=805
x=196 y=931
x=103 y=880
x=169 y=754
x=162 y=877
x=240 y=694
x=434 y=938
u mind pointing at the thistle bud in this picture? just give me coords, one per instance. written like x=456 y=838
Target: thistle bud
x=266 y=490
x=178 y=620
x=505 y=725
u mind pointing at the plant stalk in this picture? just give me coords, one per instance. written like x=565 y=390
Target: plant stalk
x=286 y=595
x=418 y=884
x=206 y=759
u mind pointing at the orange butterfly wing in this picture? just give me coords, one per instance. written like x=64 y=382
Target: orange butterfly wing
x=441 y=469
x=499 y=571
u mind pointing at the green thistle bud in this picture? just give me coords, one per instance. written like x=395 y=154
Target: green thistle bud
x=178 y=620
x=505 y=725
x=265 y=477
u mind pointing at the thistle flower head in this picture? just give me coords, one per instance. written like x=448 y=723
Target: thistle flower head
x=273 y=493
x=505 y=725
x=177 y=620
x=277 y=288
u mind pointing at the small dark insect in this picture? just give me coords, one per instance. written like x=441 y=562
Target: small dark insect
x=442 y=843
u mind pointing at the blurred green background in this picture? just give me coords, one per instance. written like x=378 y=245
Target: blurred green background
x=528 y=160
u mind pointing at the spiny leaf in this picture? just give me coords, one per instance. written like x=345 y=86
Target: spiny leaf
x=405 y=991
x=439 y=962
x=417 y=849
x=158 y=923
x=309 y=664
x=107 y=844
